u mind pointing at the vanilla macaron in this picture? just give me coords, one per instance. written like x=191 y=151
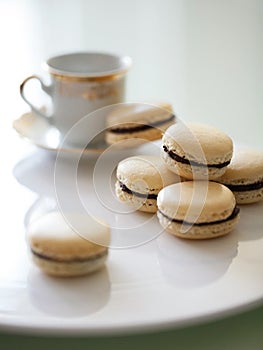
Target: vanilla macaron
x=244 y=175
x=197 y=209
x=139 y=180
x=68 y=245
x=196 y=151
x=140 y=121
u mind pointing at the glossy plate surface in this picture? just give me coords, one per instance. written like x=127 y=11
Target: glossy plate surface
x=152 y=280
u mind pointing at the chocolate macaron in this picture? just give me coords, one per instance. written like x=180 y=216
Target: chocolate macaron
x=140 y=121
x=139 y=180
x=196 y=151
x=68 y=245
x=244 y=175
x=197 y=209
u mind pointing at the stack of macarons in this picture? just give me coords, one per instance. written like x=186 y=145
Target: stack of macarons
x=201 y=201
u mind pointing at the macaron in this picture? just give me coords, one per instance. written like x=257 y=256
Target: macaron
x=244 y=175
x=139 y=121
x=197 y=209
x=196 y=151
x=139 y=180
x=68 y=245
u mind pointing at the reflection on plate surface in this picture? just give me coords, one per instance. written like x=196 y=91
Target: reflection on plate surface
x=67 y=297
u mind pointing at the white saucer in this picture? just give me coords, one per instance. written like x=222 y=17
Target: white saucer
x=44 y=135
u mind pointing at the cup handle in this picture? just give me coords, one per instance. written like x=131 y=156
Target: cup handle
x=44 y=87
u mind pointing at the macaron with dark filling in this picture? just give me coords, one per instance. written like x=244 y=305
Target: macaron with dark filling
x=244 y=175
x=68 y=245
x=197 y=209
x=196 y=151
x=139 y=180
x=139 y=122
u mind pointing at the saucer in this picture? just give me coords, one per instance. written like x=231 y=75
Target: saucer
x=44 y=135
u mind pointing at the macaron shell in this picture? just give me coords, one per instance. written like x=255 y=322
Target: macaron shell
x=196 y=232
x=246 y=167
x=199 y=142
x=142 y=204
x=140 y=112
x=145 y=174
x=190 y=172
x=72 y=269
x=196 y=201
x=68 y=236
x=137 y=137
x=248 y=197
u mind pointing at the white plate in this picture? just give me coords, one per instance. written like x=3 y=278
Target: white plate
x=159 y=283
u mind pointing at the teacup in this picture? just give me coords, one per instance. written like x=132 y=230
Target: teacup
x=81 y=83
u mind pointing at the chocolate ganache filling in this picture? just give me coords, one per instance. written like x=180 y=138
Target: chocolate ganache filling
x=73 y=260
x=137 y=194
x=246 y=187
x=234 y=214
x=183 y=160
x=141 y=127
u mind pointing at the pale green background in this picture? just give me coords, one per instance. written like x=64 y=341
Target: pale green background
x=241 y=332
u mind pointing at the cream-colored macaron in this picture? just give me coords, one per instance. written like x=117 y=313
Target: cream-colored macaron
x=196 y=151
x=244 y=175
x=139 y=180
x=197 y=209
x=139 y=121
x=68 y=244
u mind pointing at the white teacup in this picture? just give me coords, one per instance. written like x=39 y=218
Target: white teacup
x=80 y=84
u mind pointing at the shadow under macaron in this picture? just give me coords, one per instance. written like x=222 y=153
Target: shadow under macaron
x=69 y=297
x=195 y=263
